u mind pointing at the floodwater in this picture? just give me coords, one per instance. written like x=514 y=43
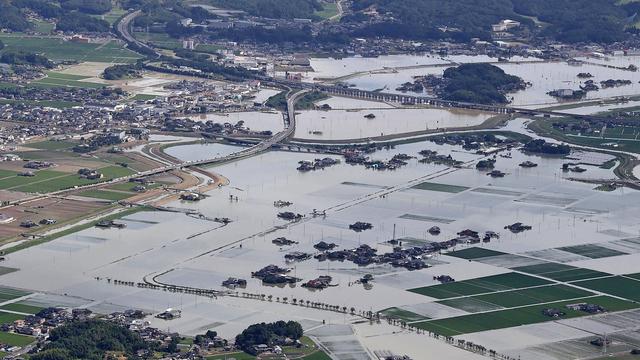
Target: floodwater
x=544 y=76
x=254 y=120
x=177 y=249
x=331 y=68
x=197 y=152
x=352 y=124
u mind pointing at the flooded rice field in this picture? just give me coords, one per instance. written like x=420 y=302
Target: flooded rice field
x=359 y=124
x=543 y=76
x=253 y=120
x=176 y=249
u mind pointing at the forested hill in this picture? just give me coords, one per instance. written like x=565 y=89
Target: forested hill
x=564 y=20
x=69 y=15
x=276 y=9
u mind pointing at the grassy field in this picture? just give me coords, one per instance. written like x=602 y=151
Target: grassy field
x=43 y=27
x=543 y=127
x=127 y=186
x=60 y=82
x=560 y=272
x=440 y=187
x=144 y=97
x=15 y=339
x=618 y=286
x=57 y=75
x=516 y=317
x=7 y=294
x=113 y=15
x=487 y=284
x=592 y=251
x=237 y=356
x=23 y=308
x=634 y=276
x=517 y=298
x=69 y=180
x=6 y=317
x=328 y=10
x=402 y=314
x=318 y=355
x=41 y=176
x=159 y=39
x=58 y=49
x=7 y=173
x=474 y=253
x=51 y=145
x=106 y=195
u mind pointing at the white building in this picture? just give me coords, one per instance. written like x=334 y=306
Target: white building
x=505 y=25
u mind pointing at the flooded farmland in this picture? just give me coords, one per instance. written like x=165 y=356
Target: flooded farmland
x=567 y=217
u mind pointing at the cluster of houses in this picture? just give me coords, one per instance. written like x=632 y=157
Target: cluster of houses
x=90 y=174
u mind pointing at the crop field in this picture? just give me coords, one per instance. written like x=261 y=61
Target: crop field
x=15 y=339
x=62 y=76
x=634 y=276
x=127 y=186
x=66 y=181
x=592 y=251
x=474 y=253
x=516 y=317
x=7 y=173
x=23 y=308
x=51 y=145
x=56 y=81
x=510 y=299
x=158 y=39
x=488 y=284
x=143 y=97
x=58 y=49
x=10 y=294
x=106 y=194
x=618 y=286
x=21 y=181
x=402 y=314
x=440 y=187
x=560 y=272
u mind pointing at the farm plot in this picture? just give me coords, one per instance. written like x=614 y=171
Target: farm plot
x=59 y=49
x=623 y=287
x=515 y=298
x=7 y=294
x=21 y=181
x=560 y=272
x=403 y=314
x=483 y=285
x=516 y=317
x=440 y=187
x=474 y=253
x=592 y=251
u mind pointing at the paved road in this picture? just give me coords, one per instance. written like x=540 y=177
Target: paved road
x=123 y=27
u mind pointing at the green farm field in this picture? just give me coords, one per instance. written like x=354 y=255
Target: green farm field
x=58 y=49
x=516 y=317
x=488 y=284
